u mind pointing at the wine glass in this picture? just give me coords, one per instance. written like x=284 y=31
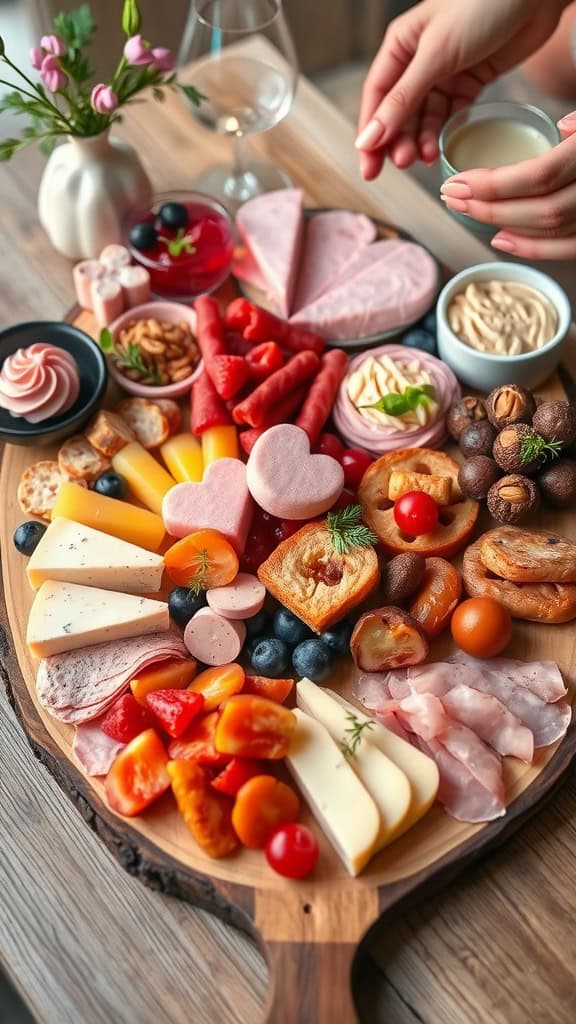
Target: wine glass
x=246 y=68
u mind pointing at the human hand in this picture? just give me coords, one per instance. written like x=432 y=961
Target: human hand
x=435 y=59
x=533 y=202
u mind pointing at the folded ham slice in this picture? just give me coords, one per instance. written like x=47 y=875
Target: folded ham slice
x=271 y=227
x=94 y=750
x=491 y=721
x=543 y=678
x=459 y=792
x=331 y=240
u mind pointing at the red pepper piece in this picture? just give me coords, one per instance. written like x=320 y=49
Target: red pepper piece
x=254 y=409
x=208 y=409
x=235 y=774
x=265 y=359
x=258 y=324
x=322 y=394
x=126 y=719
x=175 y=709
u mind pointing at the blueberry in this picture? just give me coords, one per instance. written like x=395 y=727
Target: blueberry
x=271 y=657
x=257 y=625
x=429 y=322
x=27 y=536
x=173 y=215
x=251 y=643
x=313 y=659
x=143 y=236
x=421 y=339
x=286 y=626
x=183 y=604
x=337 y=637
x=112 y=485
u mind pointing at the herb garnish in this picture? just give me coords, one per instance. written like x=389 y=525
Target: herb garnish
x=182 y=243
x=533 y=445
x=354 y=731
x=130 y=358
x=396 y=404
x=347 y=530
x=202 y=566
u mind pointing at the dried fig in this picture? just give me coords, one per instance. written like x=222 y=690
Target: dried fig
x=387 y=638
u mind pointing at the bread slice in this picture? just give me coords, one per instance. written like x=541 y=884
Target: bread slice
x=319 y=585
x=39 y=486
x=172 y=412
x=78 y=460
x=537 y=602
x=147 y=420
x=529 y=556
x=108 y=433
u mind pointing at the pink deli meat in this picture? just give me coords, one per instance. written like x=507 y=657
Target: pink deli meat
x=213 y=639
x=271 y=226
x=246 y=269
x=491 y=720
x=459 y=791
x=390 y=284
x=542 y=678
x=241 y=599
x=220 y=502
x=94 y=750
x=331 y=240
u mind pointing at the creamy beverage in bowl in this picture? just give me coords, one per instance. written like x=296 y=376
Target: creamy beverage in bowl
x=494 y=143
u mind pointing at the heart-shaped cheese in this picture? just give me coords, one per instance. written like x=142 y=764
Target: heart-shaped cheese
x=221 y=502
x=286 y=480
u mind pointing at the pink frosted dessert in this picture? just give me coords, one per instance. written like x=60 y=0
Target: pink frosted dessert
x=39 y=382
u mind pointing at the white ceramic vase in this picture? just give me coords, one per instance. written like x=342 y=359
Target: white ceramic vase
x=88 y=186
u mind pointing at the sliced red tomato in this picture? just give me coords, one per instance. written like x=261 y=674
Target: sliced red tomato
x=175 y=709
x=138 y=775
x=235 y=774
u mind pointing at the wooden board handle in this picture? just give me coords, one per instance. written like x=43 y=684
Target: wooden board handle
x=310 y=983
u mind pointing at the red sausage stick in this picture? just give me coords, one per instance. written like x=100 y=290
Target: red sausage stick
x=322 y=393
x=258 y=324
x=209 y=330
x=207 y=408
x=254 y=409
x=282 y=413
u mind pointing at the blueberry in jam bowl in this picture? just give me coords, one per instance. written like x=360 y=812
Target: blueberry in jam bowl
x=186 y=242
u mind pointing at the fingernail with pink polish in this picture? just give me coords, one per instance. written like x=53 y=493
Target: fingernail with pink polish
x=371 y=135
x=569 y=120
x=456 y=190
x=457 y=205
x=506 y=244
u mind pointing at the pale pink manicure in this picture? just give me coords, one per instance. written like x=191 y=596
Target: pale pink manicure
x=503 y=243
x=569 y=120
x=456 y=190
x=371 y=135
x=458 y=205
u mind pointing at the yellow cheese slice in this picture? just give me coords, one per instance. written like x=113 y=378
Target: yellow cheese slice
x=386 y=783
x=337 y=798
x=421 y=770
x=66 y=616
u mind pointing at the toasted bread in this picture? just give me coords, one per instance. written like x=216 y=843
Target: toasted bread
x=457 y=520
x=529 y=556
x=147 y=420
x=108 y=433
x=537 y=602
x=172 y=412
x=80 y=461
x=39 y=486
x=319 y=585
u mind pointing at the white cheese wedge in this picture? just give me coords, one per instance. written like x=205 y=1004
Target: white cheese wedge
x=337 y=798
x=74 y=553
x=386 y=783
x=421 y=770
x=66 y=616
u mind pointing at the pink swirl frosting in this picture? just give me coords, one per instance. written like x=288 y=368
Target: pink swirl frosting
x=39 y=382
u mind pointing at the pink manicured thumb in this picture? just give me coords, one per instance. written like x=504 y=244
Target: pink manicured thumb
x=567 y=125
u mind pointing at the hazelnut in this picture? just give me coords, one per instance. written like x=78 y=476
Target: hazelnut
x=402 y=576
x=558 y=483
x=477 y=475
x=461 y=414
x=477 y=439
x=511 y=498
x=509 y=404
x=519 y=449
x=556 y=421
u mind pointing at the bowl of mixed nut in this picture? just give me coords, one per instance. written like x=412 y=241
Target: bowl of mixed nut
x=152 y=350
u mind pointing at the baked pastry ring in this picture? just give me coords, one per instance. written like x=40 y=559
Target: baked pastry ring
x=529 y=556
x=537 y=602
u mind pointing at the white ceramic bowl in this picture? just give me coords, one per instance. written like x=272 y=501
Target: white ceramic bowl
x=484 y=371
x=171 y=312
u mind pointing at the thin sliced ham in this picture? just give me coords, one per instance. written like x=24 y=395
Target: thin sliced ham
x=94 y=750
x=459 y=791
x=331 y=241
x=271 y=227
x=245 y=268
x=491 y=721
x=543 y=678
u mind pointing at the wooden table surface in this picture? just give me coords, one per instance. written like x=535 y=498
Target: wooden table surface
x=86 y=944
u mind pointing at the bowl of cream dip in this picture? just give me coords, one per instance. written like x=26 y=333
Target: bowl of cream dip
x=501 y=323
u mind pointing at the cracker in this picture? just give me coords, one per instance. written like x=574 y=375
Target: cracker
x=147 y=420
x=39 y=486
x=109 y=433
x=80 y=461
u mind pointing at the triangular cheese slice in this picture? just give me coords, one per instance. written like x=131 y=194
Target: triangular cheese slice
x=73 y=553
x=66 y=616
x=271 y=226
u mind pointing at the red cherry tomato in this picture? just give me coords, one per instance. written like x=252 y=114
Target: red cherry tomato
x=329 y=444
x=354 y=462
x=416 y=513
x=292 y=850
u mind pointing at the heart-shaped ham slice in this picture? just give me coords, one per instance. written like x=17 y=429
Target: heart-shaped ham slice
x=286 y=480
x=221 y=502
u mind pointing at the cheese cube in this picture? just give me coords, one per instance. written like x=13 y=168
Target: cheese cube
x=219 y=443
x=118 y=518
x=74 y=553
x=337 y=798
x=386 y=783
x=67 y=616
x=183 y=456
x=147 y=479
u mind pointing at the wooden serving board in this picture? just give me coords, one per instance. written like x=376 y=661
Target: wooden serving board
x=309 y=931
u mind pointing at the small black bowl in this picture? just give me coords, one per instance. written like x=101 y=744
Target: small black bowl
x=93 y=378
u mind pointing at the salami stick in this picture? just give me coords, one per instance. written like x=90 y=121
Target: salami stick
x=322 y=394
x=254 y=409
x=258 y=324
x=282 y=413
x=208 y=409
x=209 y=329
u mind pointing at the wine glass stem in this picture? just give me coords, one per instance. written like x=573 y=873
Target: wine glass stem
x=239 y=158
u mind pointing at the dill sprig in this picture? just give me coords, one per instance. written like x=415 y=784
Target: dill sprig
x=202 y=565
x=533 y=445
x=354 y=731
x=347 y=530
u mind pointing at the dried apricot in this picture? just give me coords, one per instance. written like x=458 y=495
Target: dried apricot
x=207 y=814
x=197 y=743
x=274 y=689
x=217 y=684
x=254 y=727
x=202 y=560
x=437 y=596
x=262 y=804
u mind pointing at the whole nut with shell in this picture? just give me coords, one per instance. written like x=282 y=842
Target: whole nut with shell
x=510 y=404
x=557 y=483
x=401 y=577
x=511 y=498
x=477 y=439
x=477 y=475
x=519 y=449
x=556 y=421
x=462 y=413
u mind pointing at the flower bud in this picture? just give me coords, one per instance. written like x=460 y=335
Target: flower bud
x=163 y=59
x=137 y=51
x=54 y=45
x=130 y=18
x=103 y=99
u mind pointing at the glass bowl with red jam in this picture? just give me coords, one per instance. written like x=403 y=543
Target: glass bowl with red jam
x=186 y=242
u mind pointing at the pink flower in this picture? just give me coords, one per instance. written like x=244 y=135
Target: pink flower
x=54 y=45
x=103 y=99
x=163 y=59
x=52 y=75
x=36 y=57
x=137 y=51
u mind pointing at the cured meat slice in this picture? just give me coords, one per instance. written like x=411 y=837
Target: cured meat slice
x=331 y=240
x=323 y=390
x=491 y=721
x=271 y=226
x=543 y=678
x=94 y=750
x=388 y=285
x=245 y=268
x=459 y=792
